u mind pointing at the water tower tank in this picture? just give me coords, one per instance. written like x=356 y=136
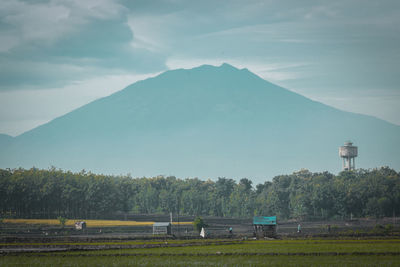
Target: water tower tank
x=348 y=152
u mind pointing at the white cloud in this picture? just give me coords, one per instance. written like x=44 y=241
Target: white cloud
x=47 y=22
x=154 y=33
x=100 y=9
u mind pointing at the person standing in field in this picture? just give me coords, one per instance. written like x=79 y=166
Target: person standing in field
x=203 y=233
x=299 y=228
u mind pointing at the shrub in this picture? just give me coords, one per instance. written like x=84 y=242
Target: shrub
x=62 y=221
x=199 y=223
x=388 y=228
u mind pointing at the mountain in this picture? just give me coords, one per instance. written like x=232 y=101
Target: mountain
x=204 y=122
x=5 y=140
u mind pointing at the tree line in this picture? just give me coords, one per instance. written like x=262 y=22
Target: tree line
x=37 y=193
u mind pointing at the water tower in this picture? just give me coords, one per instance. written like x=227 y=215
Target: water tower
x=348 y=152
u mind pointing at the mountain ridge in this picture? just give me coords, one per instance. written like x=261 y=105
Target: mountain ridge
x=207 y=122
x=223 y=65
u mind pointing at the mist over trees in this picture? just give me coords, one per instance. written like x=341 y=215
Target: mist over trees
x=36 y=193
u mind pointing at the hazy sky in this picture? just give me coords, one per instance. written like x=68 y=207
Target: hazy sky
x=58 y=55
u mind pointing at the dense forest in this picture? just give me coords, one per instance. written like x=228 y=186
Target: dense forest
x=302 y=195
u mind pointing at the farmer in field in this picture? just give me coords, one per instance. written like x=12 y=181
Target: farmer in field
x=203 y=233
x=299 y=228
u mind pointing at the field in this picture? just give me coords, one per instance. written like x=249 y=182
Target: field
x=131 y=243
x=302 y=252
x=89 y=223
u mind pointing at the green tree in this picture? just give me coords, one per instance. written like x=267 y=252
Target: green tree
x=199 y=223
x=62 y=221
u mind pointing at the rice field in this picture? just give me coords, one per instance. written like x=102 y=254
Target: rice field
x=306 y=252
x=89 y=223
x=181 y=260
x=278 y=247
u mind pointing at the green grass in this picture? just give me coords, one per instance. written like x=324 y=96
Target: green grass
x=240 y=253
x=278 y=246
x=232 y=260
x=119 y=242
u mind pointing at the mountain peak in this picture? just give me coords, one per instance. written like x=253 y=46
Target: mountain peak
x=223 y=66
x=227 y=66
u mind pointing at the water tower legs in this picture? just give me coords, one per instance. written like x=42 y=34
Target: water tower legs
x=348 y=152
x=349 y=163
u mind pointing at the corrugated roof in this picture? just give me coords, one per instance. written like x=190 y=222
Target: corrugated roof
x=162 y=224
x=264 y=220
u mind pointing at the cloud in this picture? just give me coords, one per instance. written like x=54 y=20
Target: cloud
x=49 y=21
x=50 y=44
x=150 y=33
x=104 y=37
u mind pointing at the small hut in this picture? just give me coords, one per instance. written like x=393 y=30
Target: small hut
x=80 y=225
x=162 y=228
x=264 y=226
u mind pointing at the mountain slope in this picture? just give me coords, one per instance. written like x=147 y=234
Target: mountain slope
x=207 y=122
x=5 y=140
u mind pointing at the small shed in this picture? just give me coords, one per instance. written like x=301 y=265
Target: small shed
x=162 y=228
x=80 y=225
x=264 y=226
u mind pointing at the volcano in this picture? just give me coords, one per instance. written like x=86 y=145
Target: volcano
x=204 y=122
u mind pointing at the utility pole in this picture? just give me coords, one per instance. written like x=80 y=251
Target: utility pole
x=170 y=219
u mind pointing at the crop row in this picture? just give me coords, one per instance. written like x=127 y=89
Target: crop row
x=278 y=246
x=89 y=223
x=223 y=260
x=233 y=253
